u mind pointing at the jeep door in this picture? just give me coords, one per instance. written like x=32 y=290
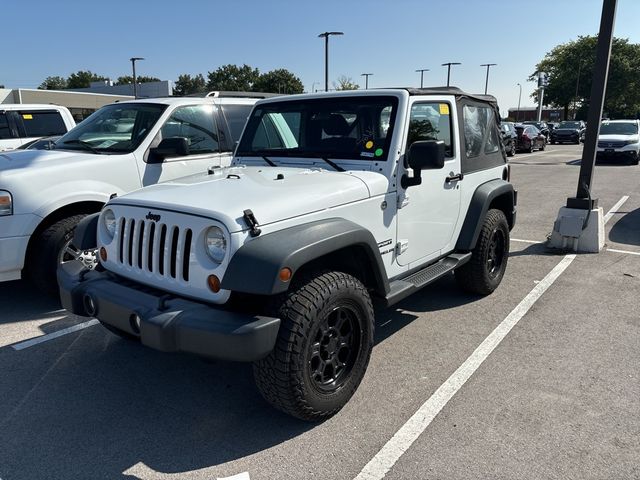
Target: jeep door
x=428 y=213
x=207 y=145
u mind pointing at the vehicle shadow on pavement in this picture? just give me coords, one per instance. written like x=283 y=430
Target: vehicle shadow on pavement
x=110 y=404
x=627 y=229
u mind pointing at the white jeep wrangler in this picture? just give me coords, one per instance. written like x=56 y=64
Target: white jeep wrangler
x=332 y=201
x=120 y=148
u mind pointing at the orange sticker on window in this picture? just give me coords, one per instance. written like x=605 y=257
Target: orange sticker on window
x=444 y=109
x=27 y=116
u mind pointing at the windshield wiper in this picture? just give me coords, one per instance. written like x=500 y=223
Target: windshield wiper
x=335 y=166
x=268 y=161
x=87 y=145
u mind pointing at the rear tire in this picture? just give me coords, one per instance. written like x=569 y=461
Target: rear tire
x=43 y=262
x=512 y=152
x=484 y=272
x=323 y=346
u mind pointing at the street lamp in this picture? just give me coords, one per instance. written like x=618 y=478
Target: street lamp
x=519 y=96
x=422 y=70
x=486 y=82
x=326 y=36
x=366 y=79
x=448 y=65
x=133 y=65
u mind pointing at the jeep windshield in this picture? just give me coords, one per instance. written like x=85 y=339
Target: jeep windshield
x=354 y=127
x=117 y=128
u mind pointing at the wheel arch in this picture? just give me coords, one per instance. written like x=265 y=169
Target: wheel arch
x=498 y=194
x=332 y=244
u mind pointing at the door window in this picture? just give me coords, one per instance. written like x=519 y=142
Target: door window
x=431 y=121
x=197 y=125
x=42 y=123
x=5 y=131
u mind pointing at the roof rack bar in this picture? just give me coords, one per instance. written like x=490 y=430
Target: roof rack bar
x=223 y=94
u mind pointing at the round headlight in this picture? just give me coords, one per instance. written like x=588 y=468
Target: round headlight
x=215 y=244
x=109 y=220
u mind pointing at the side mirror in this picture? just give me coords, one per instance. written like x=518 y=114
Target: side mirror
x=423 y=155
x=169 y=147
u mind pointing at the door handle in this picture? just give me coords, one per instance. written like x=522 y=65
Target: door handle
x=457 y=176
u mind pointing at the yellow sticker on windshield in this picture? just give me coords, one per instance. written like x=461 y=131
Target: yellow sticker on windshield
x=444 y=109
x=27 y=116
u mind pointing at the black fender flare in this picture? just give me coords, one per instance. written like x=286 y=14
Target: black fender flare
x=85 y=236
x=482 y=198
x=255 y=267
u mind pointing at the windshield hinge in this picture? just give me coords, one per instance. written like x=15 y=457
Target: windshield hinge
x=403 y=201
x=252 y=223
x=402 y=246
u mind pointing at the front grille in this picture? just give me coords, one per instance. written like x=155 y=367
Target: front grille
x=606 y=144
x=155 y=247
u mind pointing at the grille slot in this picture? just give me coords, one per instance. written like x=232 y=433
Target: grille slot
x=161 y=249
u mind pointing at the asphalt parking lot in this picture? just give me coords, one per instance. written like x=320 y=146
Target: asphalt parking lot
x=553 y=394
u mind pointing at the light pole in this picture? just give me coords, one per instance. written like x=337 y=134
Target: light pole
x=422 y=70
x=133 y=66
x=366 y=79
x=448 y=65
x=519 y=96
x=486 y=82
x=326 y=36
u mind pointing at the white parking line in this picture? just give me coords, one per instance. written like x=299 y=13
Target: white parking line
x=615 y=208
x=391 y=452
x=622 y=251
x=524 y=241
x=51 y=336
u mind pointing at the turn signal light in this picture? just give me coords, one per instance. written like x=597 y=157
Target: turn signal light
x=285 y=274
x=214 y=283
x=103 y=254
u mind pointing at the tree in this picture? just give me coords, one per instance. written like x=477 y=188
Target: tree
x=233 y=78
x=128 y=80
x=53 y=83
x=280 y=80
x=187 y=85
x=82 y=79
x=571 y=65
x=345 y=83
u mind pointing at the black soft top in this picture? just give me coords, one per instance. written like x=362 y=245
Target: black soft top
x=452 y=91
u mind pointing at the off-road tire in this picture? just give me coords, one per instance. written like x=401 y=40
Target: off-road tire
x=476 y=276
x=42 y=263
x=285 y=377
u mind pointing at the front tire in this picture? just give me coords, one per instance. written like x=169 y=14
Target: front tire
x=484 y=272
x=323 y=346
x=52 y=247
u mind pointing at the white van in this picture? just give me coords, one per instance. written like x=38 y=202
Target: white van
x=21 y=123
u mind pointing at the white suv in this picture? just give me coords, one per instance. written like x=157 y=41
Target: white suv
x=121 y=147
x=22 y=123
x=619 y=139
x=332 y=201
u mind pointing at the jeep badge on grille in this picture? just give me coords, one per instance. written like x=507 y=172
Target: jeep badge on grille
x=153 y=216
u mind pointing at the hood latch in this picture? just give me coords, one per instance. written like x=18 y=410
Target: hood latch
x=252 y=223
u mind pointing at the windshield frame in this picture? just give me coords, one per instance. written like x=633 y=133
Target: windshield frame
x=74 y=135
x=310 y=106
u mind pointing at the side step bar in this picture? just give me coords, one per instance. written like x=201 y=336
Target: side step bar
x=402 y=288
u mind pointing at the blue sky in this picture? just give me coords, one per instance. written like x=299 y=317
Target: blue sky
x=390 y=39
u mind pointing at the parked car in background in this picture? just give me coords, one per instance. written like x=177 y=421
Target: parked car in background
x=619 y=139
x=44 y=143
x=119 y=148
x=22 y=123
x=509 y=137
x=542 y=126
x=529 y=138
x=568 y=132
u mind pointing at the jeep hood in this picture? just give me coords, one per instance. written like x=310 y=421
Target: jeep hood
x=271 y=193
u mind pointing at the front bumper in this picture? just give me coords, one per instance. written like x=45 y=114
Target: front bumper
x=565 y=138
x=166 y=323
x=615 y=154
x=12 y=253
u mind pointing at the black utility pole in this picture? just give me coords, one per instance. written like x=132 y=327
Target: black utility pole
x=486 y=82
x=422 y=70
x=583 y=199
x=448 y=65
x=326 y=36
x=133 y=65
x=366 y=79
